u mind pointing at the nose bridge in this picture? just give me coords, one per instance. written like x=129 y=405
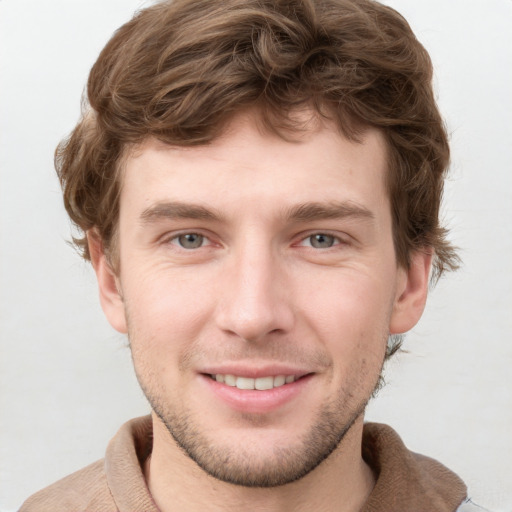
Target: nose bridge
x=253 y=304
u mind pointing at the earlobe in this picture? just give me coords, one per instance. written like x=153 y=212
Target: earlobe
x=411 y=296
x=108 y=283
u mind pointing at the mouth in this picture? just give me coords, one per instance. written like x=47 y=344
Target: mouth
x=258 y=394
x=259 y=383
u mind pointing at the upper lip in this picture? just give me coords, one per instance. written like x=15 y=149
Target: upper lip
x=256 y=371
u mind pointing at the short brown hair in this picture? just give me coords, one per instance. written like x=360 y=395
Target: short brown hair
x=178 y=71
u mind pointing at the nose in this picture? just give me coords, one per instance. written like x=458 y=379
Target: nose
x=254 y=303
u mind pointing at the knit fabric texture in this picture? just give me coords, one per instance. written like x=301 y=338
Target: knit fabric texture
x=405 y=481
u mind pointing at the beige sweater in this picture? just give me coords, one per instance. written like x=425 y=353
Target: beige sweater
x=406 y=481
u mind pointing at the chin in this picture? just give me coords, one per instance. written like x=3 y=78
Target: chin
x=261 y=455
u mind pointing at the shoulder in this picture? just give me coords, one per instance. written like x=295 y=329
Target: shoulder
x=115 y=479
x=84 y=490
x=406 y=480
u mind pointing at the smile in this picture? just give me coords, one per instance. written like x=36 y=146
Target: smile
x=260 y=383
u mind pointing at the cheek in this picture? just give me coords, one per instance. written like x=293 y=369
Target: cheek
x=351 y=314
x=166 y=305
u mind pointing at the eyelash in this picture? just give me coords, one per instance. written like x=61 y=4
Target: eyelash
x=336 y=240
x=176 y=238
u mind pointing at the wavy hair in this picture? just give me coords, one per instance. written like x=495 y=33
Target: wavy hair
x=179 y=70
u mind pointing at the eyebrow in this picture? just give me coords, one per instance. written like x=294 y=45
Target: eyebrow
x=305 y=212
x=177 y=210
x=308 y=212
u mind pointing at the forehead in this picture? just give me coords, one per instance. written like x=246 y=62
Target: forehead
x=247 y=166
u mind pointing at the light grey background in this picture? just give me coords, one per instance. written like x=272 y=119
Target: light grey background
x=66 y=382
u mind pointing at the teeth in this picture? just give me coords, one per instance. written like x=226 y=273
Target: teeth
x=261 y=383
x=281 y=379
x=244 y=383
x=230 y=380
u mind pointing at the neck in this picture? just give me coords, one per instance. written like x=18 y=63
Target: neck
x=342 y=482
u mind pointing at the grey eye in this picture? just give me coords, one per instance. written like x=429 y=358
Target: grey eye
x=321 y=241
x=191 y=240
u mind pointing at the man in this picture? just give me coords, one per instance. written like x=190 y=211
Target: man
x=258 y=185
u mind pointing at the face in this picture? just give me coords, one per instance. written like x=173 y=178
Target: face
x=258 y=285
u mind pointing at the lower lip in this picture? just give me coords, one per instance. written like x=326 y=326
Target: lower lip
x=254 y=401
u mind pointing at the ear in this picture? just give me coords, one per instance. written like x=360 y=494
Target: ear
x=108 y=283
x=411 y=294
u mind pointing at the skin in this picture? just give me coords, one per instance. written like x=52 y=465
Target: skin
x=254 y=276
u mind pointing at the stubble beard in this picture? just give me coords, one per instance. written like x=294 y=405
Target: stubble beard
x=239 y=466
x=286 y=464
x=235 y=464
